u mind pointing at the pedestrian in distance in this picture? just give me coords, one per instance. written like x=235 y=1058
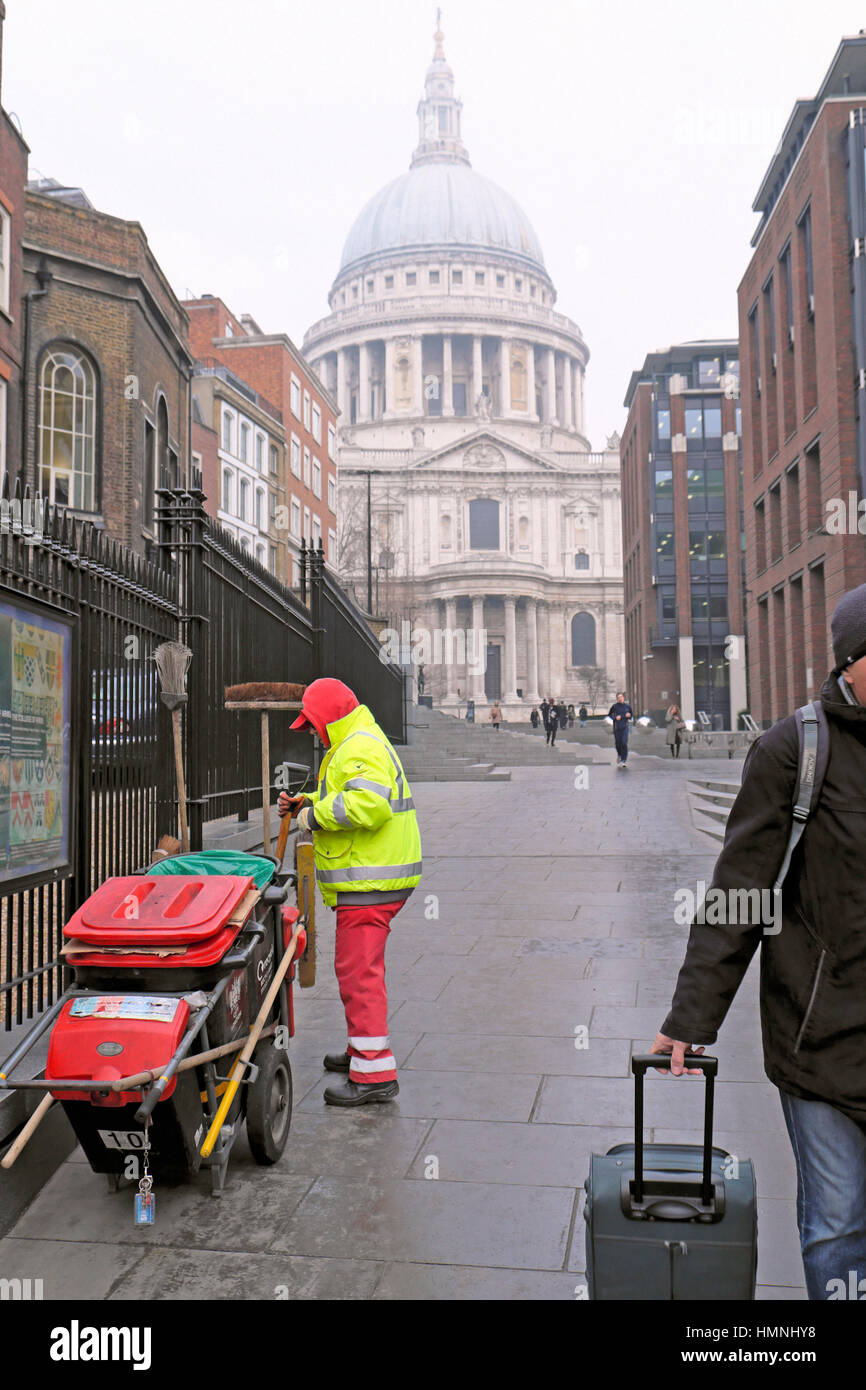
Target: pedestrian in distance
x=675 y=725
x=552 y=723
x=620 y=714
x=368 y=861
x=495 y=715
x=813 y=963
x=534 y=717
x=545 y=713
x=570 y=713
x=562 y=713
x=582 y=715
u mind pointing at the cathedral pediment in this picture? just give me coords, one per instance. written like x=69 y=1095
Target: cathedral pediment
x=483 y=452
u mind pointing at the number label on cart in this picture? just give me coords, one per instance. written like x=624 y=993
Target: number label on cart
x=122 y=1138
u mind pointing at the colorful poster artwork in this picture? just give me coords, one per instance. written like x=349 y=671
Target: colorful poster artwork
x=35 y=700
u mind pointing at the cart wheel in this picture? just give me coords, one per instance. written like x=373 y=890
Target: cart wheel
x=269 y=1104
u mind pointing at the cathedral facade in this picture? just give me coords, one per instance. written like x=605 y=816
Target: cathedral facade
x=472 y=506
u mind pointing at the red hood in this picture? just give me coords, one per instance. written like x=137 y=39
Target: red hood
x=324 y=702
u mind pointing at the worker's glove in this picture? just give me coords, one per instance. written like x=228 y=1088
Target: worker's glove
x=303 y=821
x=289 y=804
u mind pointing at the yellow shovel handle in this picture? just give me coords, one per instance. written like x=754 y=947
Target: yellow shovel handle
x=249 y=1047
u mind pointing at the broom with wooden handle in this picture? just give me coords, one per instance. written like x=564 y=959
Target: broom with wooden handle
x=264 y=696
x=172 y=663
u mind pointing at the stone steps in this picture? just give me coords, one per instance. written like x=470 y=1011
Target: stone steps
x=710 y=802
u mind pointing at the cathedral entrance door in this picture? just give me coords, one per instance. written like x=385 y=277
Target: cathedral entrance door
x=493 y=674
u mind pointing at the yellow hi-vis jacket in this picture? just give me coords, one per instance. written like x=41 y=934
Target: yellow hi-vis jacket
x=365 y=832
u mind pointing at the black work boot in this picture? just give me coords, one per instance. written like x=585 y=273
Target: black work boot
x=336 y=1061
x=370 y=1093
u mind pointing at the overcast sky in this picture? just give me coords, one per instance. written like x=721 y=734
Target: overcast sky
x=245 y=137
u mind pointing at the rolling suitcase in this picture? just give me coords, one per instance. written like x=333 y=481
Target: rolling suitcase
x=671 y=1221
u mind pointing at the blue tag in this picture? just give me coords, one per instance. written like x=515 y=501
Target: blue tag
x=145 y=1209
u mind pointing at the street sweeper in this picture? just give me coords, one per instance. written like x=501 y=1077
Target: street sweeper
x=368 y=861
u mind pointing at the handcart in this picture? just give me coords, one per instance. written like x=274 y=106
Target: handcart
x=173 y=967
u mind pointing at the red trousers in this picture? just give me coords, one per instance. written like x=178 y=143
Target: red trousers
x=359 y=963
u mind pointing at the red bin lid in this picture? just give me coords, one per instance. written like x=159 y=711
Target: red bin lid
x=161 y=910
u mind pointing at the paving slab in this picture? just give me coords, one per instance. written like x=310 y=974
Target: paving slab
x=470 y=1223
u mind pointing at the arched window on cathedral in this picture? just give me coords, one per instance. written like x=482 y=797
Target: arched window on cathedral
x=445 y=532
x=67 y=428
x=581 y=560
x=523 y=533
x=583 y=640
x=484 y=524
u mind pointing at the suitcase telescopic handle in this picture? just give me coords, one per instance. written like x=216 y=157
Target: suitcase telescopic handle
x=640 y=1065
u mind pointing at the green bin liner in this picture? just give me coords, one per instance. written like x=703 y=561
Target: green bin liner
x=219 y=861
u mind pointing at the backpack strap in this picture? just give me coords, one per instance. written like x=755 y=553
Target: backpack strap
x=813 y=762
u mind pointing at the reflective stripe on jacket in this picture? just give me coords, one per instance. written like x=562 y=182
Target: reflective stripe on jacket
x=365 y=832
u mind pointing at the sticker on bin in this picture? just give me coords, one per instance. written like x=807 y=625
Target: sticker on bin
x=154 y=1007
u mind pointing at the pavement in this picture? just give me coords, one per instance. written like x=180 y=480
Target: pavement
x=539 y=951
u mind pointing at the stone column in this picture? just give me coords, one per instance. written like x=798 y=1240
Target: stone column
x=477 y=373
x=363 y=382
x=504 y=377
x=389 y=390
x=550 y=390
x=449 y=652
x=478 y=650
x=578 y=397
x=343 y=384
x=530 y=382
x=567 y=397
x=509 y=675
x=532 y=694
x=418 y=375
x=447 y=377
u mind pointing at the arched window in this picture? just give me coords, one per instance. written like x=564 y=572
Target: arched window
x=445 y=532
x=166 y=460
x=67 y=428
x=523 y=531
x=583 y=640
x=581 y=560
x=484 y=524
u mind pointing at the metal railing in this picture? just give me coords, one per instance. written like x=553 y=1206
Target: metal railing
x=105 y=610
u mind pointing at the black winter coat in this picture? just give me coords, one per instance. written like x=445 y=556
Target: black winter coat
x=813 y=971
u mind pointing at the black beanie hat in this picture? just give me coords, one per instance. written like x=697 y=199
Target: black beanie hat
x=848 y=627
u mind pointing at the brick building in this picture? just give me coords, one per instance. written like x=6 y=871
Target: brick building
x=273 y=366
x=107 y=369
x=802 y=315
x=682 y=534
x=13 y=180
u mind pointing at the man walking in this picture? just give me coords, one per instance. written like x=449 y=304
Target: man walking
x=813 y=966
x=368 y=860
x=620 y=714
x=552 y=722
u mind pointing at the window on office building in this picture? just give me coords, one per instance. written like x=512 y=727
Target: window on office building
x=317 y=422
x=317 y=478
x=295 y=456
x=295 y=397
x=332 y=494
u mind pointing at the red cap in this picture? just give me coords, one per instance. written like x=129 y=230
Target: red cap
x=324 y=702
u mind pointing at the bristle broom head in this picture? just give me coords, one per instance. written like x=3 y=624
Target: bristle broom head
x=264 y=690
